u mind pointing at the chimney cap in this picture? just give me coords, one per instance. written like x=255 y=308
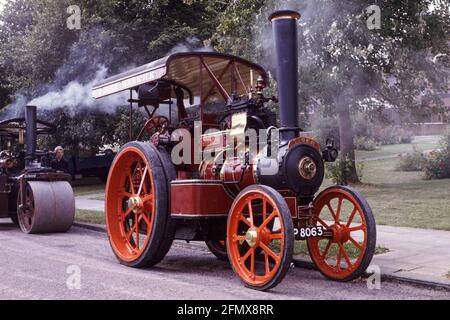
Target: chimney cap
x=284 y=14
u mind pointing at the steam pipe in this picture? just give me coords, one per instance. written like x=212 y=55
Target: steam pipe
x=30 y=120
x=284 y=26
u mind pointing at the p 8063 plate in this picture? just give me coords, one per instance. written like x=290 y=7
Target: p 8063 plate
x=309 y=232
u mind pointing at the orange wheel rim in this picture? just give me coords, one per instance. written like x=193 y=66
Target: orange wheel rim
x=338 y=211
x=249 y=232
x=130 y=204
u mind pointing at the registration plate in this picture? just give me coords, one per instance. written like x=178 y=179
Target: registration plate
x=308 y=232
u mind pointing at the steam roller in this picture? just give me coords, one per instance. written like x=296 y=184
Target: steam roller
x=32 y=194
x=48 y=207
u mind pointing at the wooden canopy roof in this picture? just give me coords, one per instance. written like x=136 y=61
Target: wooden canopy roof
x=198 y=71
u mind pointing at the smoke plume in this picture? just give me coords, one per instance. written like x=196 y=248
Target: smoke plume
x=73 y=82
x=76 y=95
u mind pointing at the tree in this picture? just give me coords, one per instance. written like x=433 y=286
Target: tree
x=35 y=42
x=345 y=67
x=235 y=31
x=14 y=19
x=39 y=54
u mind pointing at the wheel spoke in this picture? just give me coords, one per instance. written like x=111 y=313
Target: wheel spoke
x=237 y=238
x=148 y=197
x=346 y=257
x=250 y=212
x=350 y=219
x=264 y=213
x=356 y=244
x=130 y=233
x=269 y=251
x=338 y=260
x=131 y=184
x=146 y=219
x=266 y=222
x=338 y=210
x=277 y=235
x=252 y=262
x=137 y=230
x=245 y=220
x=325 y=252
x=245 y=257
x=323 y=223
x=360 y=227
x=125 y=214
x=125 y=194
x=266 y=262
x=144 y=185
x=142 y=180
x=331 y=211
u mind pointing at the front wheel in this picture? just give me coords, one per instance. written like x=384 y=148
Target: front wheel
x=346 y=215
x=260 y=220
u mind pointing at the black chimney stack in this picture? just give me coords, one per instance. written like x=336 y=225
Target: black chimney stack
x=30 y=120
x=284 y=25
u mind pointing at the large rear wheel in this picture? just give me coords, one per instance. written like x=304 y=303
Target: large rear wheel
x=137 y=206
x=260 y=219
x=348 y=252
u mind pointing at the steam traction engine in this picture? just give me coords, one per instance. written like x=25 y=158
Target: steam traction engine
x=32 y=194
x=248 y=207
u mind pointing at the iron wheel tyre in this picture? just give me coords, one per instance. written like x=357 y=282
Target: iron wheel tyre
x=169 y=234
x=277 y=245
x=137 y=205
x=218 y=248
x=345 y=208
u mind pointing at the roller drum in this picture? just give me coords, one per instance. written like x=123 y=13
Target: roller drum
x=51 y=207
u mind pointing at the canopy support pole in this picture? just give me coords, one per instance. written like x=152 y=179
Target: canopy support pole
x=131 y=114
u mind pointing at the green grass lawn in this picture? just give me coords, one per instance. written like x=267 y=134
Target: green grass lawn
x=404 y=199
x=90 y=216
x=88 y=189
x=421 y=143
x=401 y=198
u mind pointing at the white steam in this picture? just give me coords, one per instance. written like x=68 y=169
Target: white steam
x=191 y=44
x=75 y=96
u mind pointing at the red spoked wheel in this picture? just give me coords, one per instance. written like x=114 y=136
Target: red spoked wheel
x=348 y=250
x=260 y=220
x=137 y=205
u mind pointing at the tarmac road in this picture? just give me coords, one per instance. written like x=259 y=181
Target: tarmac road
x=42 y=266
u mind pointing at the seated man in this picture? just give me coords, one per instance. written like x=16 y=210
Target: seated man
x=59 y=164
